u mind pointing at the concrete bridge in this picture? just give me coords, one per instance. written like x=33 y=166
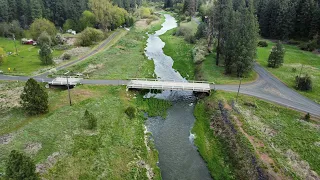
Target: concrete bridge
x=194 y=86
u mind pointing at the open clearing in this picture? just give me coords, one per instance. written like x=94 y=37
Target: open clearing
x=293 y=61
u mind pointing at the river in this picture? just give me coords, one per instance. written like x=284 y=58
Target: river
x=178 y=157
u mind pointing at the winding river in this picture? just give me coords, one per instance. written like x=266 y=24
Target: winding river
x=178 y=157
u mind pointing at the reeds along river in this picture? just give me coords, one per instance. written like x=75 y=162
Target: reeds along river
x=178 y=157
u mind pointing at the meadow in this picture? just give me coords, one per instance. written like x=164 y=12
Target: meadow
x=26 y=61
x=293 y=61
x=62 y=149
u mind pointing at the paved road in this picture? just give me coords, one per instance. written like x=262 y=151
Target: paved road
x=100 y=47
x=267 y=87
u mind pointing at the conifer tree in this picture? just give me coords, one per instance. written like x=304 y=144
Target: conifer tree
x=12 y=7
x=45 y=54
x=4 y=11
x=34 y=99
x=36 y=9
x=276 y=57
x=20 y=166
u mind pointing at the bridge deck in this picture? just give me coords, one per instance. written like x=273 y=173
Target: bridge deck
x=169 y=85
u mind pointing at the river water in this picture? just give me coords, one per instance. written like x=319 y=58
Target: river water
x=178 y=157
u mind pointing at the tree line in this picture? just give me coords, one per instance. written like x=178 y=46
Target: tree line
x=288 y=19
x=61 y=11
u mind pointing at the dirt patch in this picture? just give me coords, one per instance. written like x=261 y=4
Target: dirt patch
x=257 y=145
x=74 y=52
x=32 y=148
x=50 y=162
x=143 y=164
x=142 y=24
x=71 y=41
x=92 y=67
x=6 y=139
x=227 y=107
x=300 y=166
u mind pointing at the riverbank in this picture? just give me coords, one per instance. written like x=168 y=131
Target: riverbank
x=283 y=144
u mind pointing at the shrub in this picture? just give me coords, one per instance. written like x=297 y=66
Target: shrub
x=190 y=38
x=201 y=32
x=20 y=166
x=262 y=44
x=304 y=83
x=307 y=117
x=199 y=53
x=293 y=42
x=275 y=59
x=294 y=70
x=44 y=38
x=66 y=56
x=89 y=36
x=309 y=46
x=34 y=99
x=144 y=12
x=149 y=21
x=131 y=112
x=90 y=120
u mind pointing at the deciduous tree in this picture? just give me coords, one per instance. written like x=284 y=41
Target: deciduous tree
x=40 y=25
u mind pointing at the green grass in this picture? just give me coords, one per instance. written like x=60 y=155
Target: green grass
x=26 y=62
x=212 y=73
x=152 y=106
x=208 y=145
x=294 y=58
x=181 y=53
x=156 y=26
x=125 y=59
x=289 y=132
x=110 y=152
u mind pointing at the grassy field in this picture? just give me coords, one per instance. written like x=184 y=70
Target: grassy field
x=116 y=150
x=294 y=59
x=26 y=62
x=125 y=59
x=286 y=144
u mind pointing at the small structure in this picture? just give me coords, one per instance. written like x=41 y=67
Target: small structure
x=64 y=81
x=194 y=86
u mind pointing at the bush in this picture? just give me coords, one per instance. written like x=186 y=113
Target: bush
x=44 y=38
x=262 y=44
x=34 y=99
x=201 y=32
x=66 y=56
x=144 y=12
x=20 y=166
x=90 y=120
x=199 y=53
x=131 y=112
x=184 y=31
x=307 y=117
x=190 y=38
x=309 y=46
x=45 y=54
x=293 y=42
x=89 y=36
x=294 y=70
x=304 y=83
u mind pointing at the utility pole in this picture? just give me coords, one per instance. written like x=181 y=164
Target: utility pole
x=69 y=91
x=239 y=89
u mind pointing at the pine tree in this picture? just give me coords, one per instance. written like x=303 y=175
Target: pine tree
x=4 y=11
x=90 y=121
x=305 y=11
x=45 y=54
x=23 y=13
x=34 y=98
x=12 y=4
x=222 y=11
x=20 y=166
x=36 y=9
x=276 y=57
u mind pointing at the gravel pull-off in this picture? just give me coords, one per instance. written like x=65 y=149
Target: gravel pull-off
x=74 y=52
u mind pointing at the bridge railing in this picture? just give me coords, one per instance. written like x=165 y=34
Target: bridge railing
x=170 y=80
